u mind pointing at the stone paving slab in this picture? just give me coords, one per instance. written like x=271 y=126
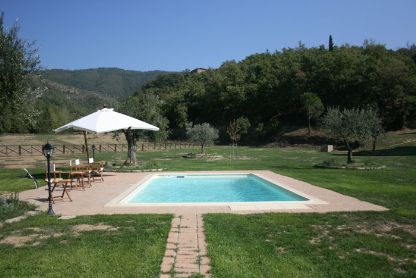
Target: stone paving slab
x=183 y=256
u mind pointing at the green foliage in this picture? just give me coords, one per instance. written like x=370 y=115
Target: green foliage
x=237 y=128
x=268 y=88
x=10 y=206
x=313 y=107
x=108 y=82
x=202 y=134
x=19 y=61
x=352 y=125
x=330 y=43
x=146 y=107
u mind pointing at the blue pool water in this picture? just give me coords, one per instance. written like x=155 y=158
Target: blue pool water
x=211 y=188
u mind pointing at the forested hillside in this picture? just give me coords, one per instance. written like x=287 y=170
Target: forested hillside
x=69 y=94
x=109 y=82
x=267 y=88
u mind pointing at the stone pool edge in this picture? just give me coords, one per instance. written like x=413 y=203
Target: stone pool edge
x=122 y=199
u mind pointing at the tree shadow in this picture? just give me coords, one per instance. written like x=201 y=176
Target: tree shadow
x=306 y=140
x=407 y=133
x=397 y=151
x=291 y=167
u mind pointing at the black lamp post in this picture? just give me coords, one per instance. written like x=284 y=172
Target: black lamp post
x=47 y=151
x=93 y=151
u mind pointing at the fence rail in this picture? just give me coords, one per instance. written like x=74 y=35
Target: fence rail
x=36 y=150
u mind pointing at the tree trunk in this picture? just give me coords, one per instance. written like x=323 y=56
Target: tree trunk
x=349 y=159
x=309 y=120
x=202 y=148
x=86 y=145
x=131 y=147
x=374 y=143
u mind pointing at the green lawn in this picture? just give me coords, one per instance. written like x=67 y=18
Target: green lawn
x=363 y=244
x=126 y=246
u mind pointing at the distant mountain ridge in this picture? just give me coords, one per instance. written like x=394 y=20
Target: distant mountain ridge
x=70 y=94
x=114 y=83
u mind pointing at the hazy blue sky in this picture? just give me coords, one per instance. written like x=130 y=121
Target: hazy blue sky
x=178 y=35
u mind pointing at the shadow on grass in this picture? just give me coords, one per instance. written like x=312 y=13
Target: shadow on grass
x=291 y=167
x=397 y=151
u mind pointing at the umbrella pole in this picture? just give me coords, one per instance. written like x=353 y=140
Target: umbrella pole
x=86 y=146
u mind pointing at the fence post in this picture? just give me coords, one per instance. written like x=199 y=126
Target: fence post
x=115 y=148
x=20 y=150
x=83 y=148
x=142 y=147
x=99 y=147
x=63 y=149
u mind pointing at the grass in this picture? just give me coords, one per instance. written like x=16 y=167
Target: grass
x=360 y=244
x=129 y=246
x=13 y=180
x=310 y=245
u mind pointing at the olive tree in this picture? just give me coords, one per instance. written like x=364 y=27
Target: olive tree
x=19 y=61
x=203 y=134
x=313 y=107
x=350 y=125
x=146 y=107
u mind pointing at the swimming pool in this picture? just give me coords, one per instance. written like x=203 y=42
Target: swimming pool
x=212 y=188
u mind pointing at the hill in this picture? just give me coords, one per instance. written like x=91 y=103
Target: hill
x=70 y=94
x=109 y=82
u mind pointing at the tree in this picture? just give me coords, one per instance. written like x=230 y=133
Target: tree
x=267 y=88
x=202 y=134
x=146 y=107
x=348 y=125
x=19 y=60
x=374 y=123
x=330 y=43
x=313 y=107
x=237 y=128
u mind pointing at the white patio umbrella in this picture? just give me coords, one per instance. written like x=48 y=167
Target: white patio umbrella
x=105 y=120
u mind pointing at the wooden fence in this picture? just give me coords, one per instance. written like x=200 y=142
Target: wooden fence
x=36 y=150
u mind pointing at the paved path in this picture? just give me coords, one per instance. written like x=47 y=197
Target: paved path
x=186 y=250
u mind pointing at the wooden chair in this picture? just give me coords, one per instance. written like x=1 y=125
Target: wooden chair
x=58 y=181
x=97 y=170
x=77 y=174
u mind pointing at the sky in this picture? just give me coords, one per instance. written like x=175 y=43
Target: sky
x=178 y=35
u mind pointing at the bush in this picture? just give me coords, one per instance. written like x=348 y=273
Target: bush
x=10 y=206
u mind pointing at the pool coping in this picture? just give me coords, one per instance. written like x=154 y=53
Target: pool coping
x=102 y=195
x=122 y=199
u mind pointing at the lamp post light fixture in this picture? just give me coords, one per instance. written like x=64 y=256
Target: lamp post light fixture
x=93 y=151
x=47 y=151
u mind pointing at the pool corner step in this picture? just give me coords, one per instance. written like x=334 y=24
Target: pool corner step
x=282 y=206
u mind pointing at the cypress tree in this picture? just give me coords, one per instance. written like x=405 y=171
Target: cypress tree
x=330 y=43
